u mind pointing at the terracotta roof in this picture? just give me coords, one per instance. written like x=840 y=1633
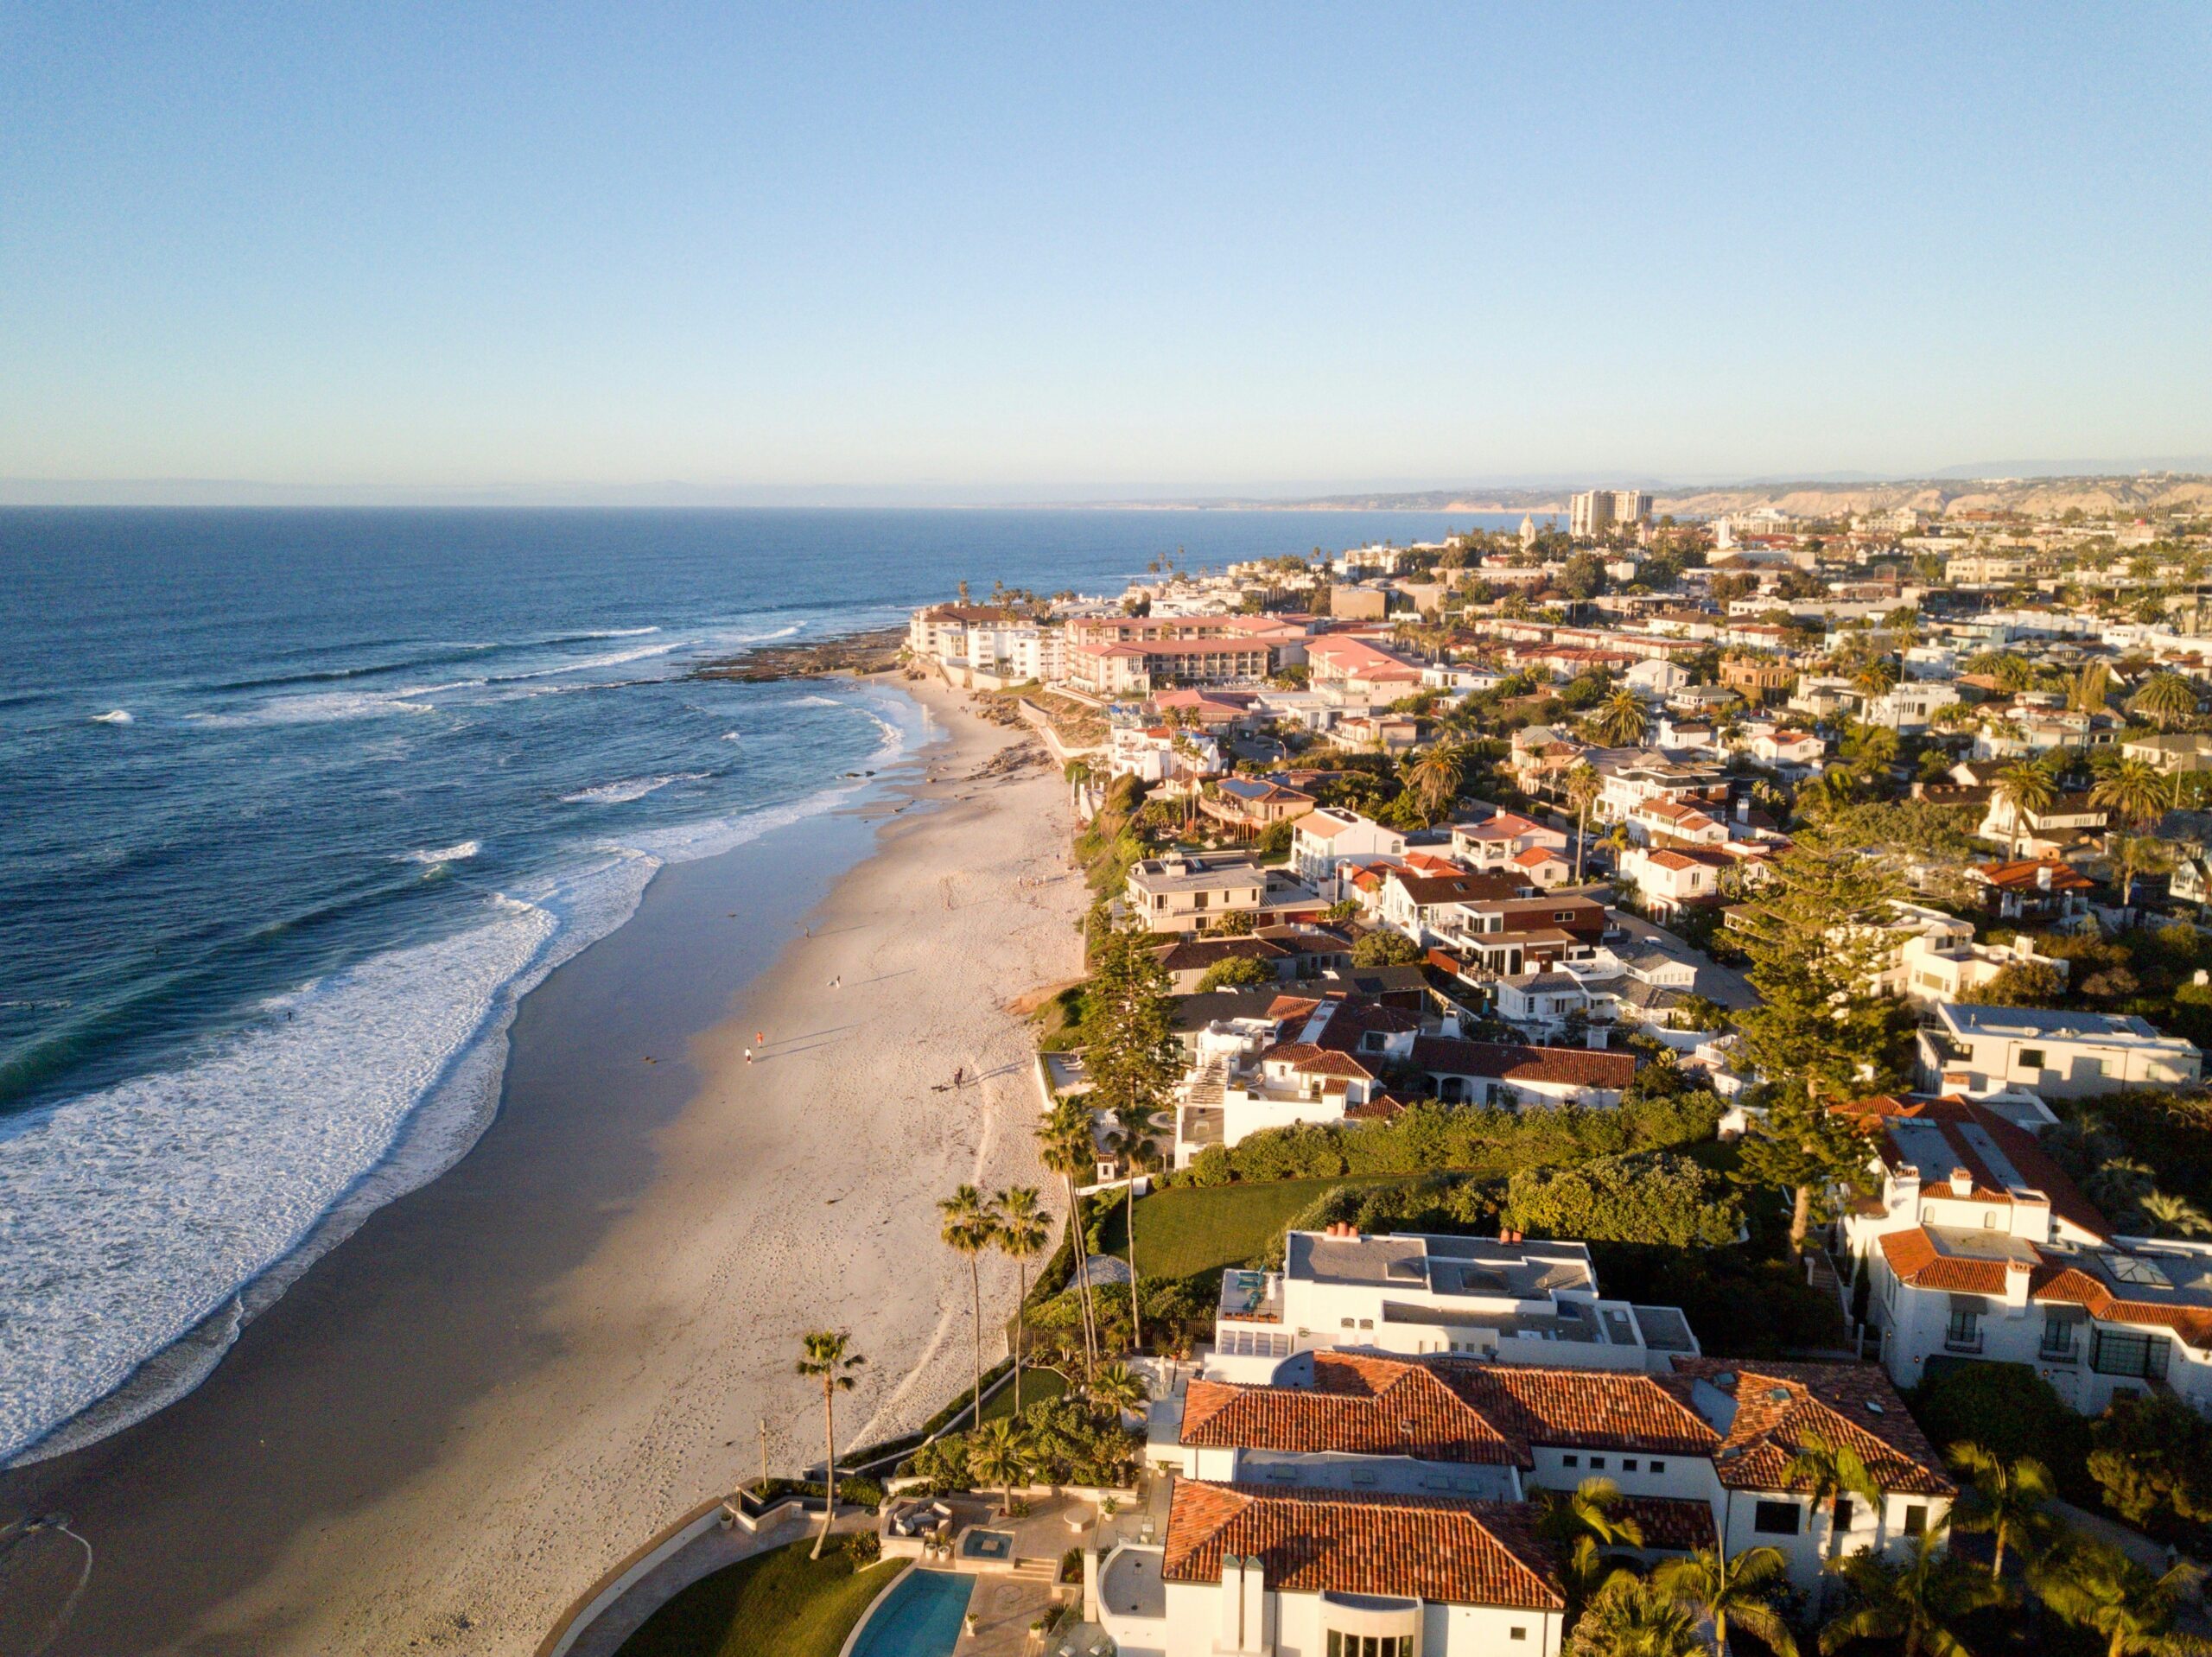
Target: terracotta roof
x=1453 y=1552
x=1780 y=1407
x=2058 y=1281
x=1580 y=1066
x=1377 y=1407
x=1195 y=954
x=2020 y=1148
x=1536 y=856
x=1312 y=1060
x=2024 y=876
x=1599 y=1409
x=1672 y=1523
x=1425 y=890
x=1915 y=1259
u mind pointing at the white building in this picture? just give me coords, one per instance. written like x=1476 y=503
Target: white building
x=1324 y=841
x=1982 y=1250
x=1506 y=1301
x=2057 y=1052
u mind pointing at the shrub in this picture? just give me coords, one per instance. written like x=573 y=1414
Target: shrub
x=2153 y=1459
x=1655 y=1198
x=1212 y=1166
x=1385 y=949
x=1237 y=972
x=2009 y=1410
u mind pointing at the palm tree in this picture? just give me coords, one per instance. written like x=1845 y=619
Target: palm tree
x=1118 y=1385
x=1436 y=777
x=1582 y=787
x=2134 y=855
x=2132 y=790
x=1915 y=1603
x=2100 y=1588
x=827 y=1359
x=2119 y=1184
x=1023 y=1230
x=1634 y=1618
x=1064 y=1140
x=2024 y=789
x=1715 y=1585
x=2166 y=700
x=2175 y=1217
x=2087 y=693
x=2005 y=1498
x=969 y=1227
x=1581 y=1525
x=997 y=1455
x=1878 y=677
x=1831 y=1474
x=1622 y=719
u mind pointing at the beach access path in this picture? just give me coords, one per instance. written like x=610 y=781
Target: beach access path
x=505 y=1381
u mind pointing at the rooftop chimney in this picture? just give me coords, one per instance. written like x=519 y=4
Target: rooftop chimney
x=2043 y=877
x=1962 y=1183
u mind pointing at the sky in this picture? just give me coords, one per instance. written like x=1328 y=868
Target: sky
x=933 y=253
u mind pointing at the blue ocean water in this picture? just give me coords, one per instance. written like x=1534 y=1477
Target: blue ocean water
x=294 y=805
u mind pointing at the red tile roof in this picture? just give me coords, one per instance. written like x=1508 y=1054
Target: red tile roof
x=1600 y=1409
x=1672 y=1523
x=1579 y=1067
x=1781 y=1407
x=1313 y=1541
x=1915 y=1257
x=1377 y=1405
x=2019 y=1147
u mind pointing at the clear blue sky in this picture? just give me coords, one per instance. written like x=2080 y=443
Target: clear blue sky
x=997 y=253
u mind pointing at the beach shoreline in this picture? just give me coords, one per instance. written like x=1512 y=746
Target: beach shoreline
x=509 y=1377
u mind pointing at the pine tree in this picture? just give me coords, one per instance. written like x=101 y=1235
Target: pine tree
x=1132 y=1058
x=1823 y=1033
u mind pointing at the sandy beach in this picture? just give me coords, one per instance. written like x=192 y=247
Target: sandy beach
x=505 y=1382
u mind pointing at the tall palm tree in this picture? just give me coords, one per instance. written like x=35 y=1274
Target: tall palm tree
x=970 y=1225
x=2133 y=854
x=2166 y=700
x=1830 y=1475
x=2134 y=791
x=1717 y=1585
x=2024 y=789
x=1623 y=719
x=1878 y=677
x=997 y=1454
x=1915 y=1603
x=1581 y=1524
x=1436 y=777
x=2005 y=1498
x=826 y=1357
x=1064 y=1140
x=2120 y=1184
x=1024 y=1229
x=2100 y=1588
x=1582 y=787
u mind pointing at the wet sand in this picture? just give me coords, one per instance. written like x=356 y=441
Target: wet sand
x=505 y=1382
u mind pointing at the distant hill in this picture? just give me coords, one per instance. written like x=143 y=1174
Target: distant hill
x=1937 y=497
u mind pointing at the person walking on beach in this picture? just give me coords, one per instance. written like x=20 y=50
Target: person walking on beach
x=959 y=1075
x=748 y=1055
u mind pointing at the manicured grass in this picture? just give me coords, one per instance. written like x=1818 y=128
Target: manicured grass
x=780 y=1602
x=1191 y=1229
x=1037 y=1386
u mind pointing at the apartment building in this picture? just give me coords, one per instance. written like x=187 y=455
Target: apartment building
x=1596 y=512
x=1184 y=893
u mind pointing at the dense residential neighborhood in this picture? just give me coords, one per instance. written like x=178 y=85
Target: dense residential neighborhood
x=1793 y=925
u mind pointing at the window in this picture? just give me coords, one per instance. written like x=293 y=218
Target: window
x=2058 y=1336
x=2114 y=1353
x=1843 y=1513
x=1916 y=1519
x=2029 y=1059
x=1965 y=1327
x=1658 y=1467
x=1369 y=1644
x=1516 y=1633
x=1570 y=1460
x=1775 y=1518
x=1598 y=1462
x=1348 y=1323
x=1628 y=1466
x=1364 y=1322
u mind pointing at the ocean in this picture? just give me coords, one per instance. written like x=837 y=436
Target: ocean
x=296 y=806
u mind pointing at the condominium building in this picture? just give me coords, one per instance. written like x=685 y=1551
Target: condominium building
x=1594 y=512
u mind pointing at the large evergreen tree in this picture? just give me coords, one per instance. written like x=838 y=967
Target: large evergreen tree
x=1824 y=1032
x=1131 y=1056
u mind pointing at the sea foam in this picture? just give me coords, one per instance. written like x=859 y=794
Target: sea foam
x=630 y=788
x=113 y=716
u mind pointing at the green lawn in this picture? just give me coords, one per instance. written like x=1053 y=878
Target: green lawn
x=1037 y=1386
x=1191 y=1229
x=778 y=1602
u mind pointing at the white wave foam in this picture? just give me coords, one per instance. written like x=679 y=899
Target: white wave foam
x=142 y=1226
x=630 y=788
x=617 y=632
x=815 y=701
x=128 y=1216
x=459 y=853
x=613 y=659
x=113 y=716
x=732 y=736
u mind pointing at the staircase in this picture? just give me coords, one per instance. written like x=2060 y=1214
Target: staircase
x=1207 y=1087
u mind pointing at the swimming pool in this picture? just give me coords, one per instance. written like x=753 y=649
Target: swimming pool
x=919 y=1617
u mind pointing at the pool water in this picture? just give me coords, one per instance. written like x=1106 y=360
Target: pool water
x=987 y=1545
x=919 y=1617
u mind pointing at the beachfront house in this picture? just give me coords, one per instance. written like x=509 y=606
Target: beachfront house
x=2054 y=1052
